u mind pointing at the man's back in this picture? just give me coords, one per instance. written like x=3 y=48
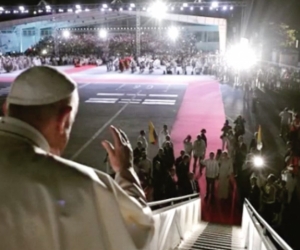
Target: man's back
x=51 y=203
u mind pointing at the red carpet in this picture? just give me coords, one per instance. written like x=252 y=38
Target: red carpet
x=202 y=107
x=79 y=69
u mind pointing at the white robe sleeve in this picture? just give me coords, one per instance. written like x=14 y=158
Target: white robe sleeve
x=132 y=205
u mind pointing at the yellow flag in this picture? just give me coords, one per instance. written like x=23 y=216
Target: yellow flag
x=259 y=138
x=152 y=134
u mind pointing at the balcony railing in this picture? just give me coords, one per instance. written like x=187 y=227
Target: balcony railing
x=174 y=222
x=257 y=233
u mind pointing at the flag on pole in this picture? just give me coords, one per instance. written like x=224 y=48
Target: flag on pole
x=152 y=134
x=259 y=139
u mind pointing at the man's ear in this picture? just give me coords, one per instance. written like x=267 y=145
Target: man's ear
x=64 y=119
x=5 y=108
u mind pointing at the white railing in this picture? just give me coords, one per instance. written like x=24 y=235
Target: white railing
x=257 y=233
x=173 y=223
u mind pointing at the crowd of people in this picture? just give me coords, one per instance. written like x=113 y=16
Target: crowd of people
x=168 y=175
x=82 y=49
x=122 y=42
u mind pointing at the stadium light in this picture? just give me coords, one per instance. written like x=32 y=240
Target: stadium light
x=234 y=58
x=103 y=33
x=185 y=5
x=66 y=34
x=224 y=7
x=192 y=8
x=44 y=52
x=132 y=5
x=77 y=6
x=201 y=8
x=231 y=7
x=105 y=6
x=48 y=7
x=258 y=161
x=214 y=4
x=158 y=10
x=173 y=33
x=21 y=8
x=1 y=9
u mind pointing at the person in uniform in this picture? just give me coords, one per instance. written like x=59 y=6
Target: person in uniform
x=51 y=203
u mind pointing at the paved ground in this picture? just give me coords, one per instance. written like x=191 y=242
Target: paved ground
x=129 y=106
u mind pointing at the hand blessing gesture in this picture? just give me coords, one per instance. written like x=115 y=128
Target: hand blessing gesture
x=120 y=154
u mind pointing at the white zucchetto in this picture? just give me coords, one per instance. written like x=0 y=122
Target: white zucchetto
x=40 y=85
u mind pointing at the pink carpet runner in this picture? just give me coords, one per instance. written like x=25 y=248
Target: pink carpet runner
x=202 y=107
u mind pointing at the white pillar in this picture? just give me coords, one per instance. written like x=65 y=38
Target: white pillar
x=21 y=40
x=222 y=37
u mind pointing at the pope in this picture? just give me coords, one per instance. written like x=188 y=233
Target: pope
x=51 y=203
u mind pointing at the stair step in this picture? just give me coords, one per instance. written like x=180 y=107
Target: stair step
x=217 y=242
x=208 y=247
x=215 y=237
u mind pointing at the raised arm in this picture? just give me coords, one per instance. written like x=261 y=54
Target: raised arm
x=129 y=193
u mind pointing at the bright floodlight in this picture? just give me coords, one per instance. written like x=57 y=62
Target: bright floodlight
x=158 y=10
x=103 y=33
x=214 y=4
x=173 y=33
x=21 y=8
x=258 y=161
x=44 y=52
x=224 y=7
x=241 y=57
x=77 y=6
x=66 y=34
x=48 y=7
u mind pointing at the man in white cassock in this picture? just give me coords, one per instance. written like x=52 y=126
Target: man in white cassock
x=50 y=203
x=162 y=136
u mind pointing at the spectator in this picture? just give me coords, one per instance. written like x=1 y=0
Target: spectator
x=137 y=153
x=191 y=186
x=188 y=145
x=198 y=152
x=171 y=188
x=142 y=138
x=254 y=194
x=212 y=172
x=169 y=155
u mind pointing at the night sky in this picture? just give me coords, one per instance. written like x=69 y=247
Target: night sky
x=280 y=11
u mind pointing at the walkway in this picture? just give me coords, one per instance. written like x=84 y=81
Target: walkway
x=202 y=107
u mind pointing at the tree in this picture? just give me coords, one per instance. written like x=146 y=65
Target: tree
x=278 y=36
